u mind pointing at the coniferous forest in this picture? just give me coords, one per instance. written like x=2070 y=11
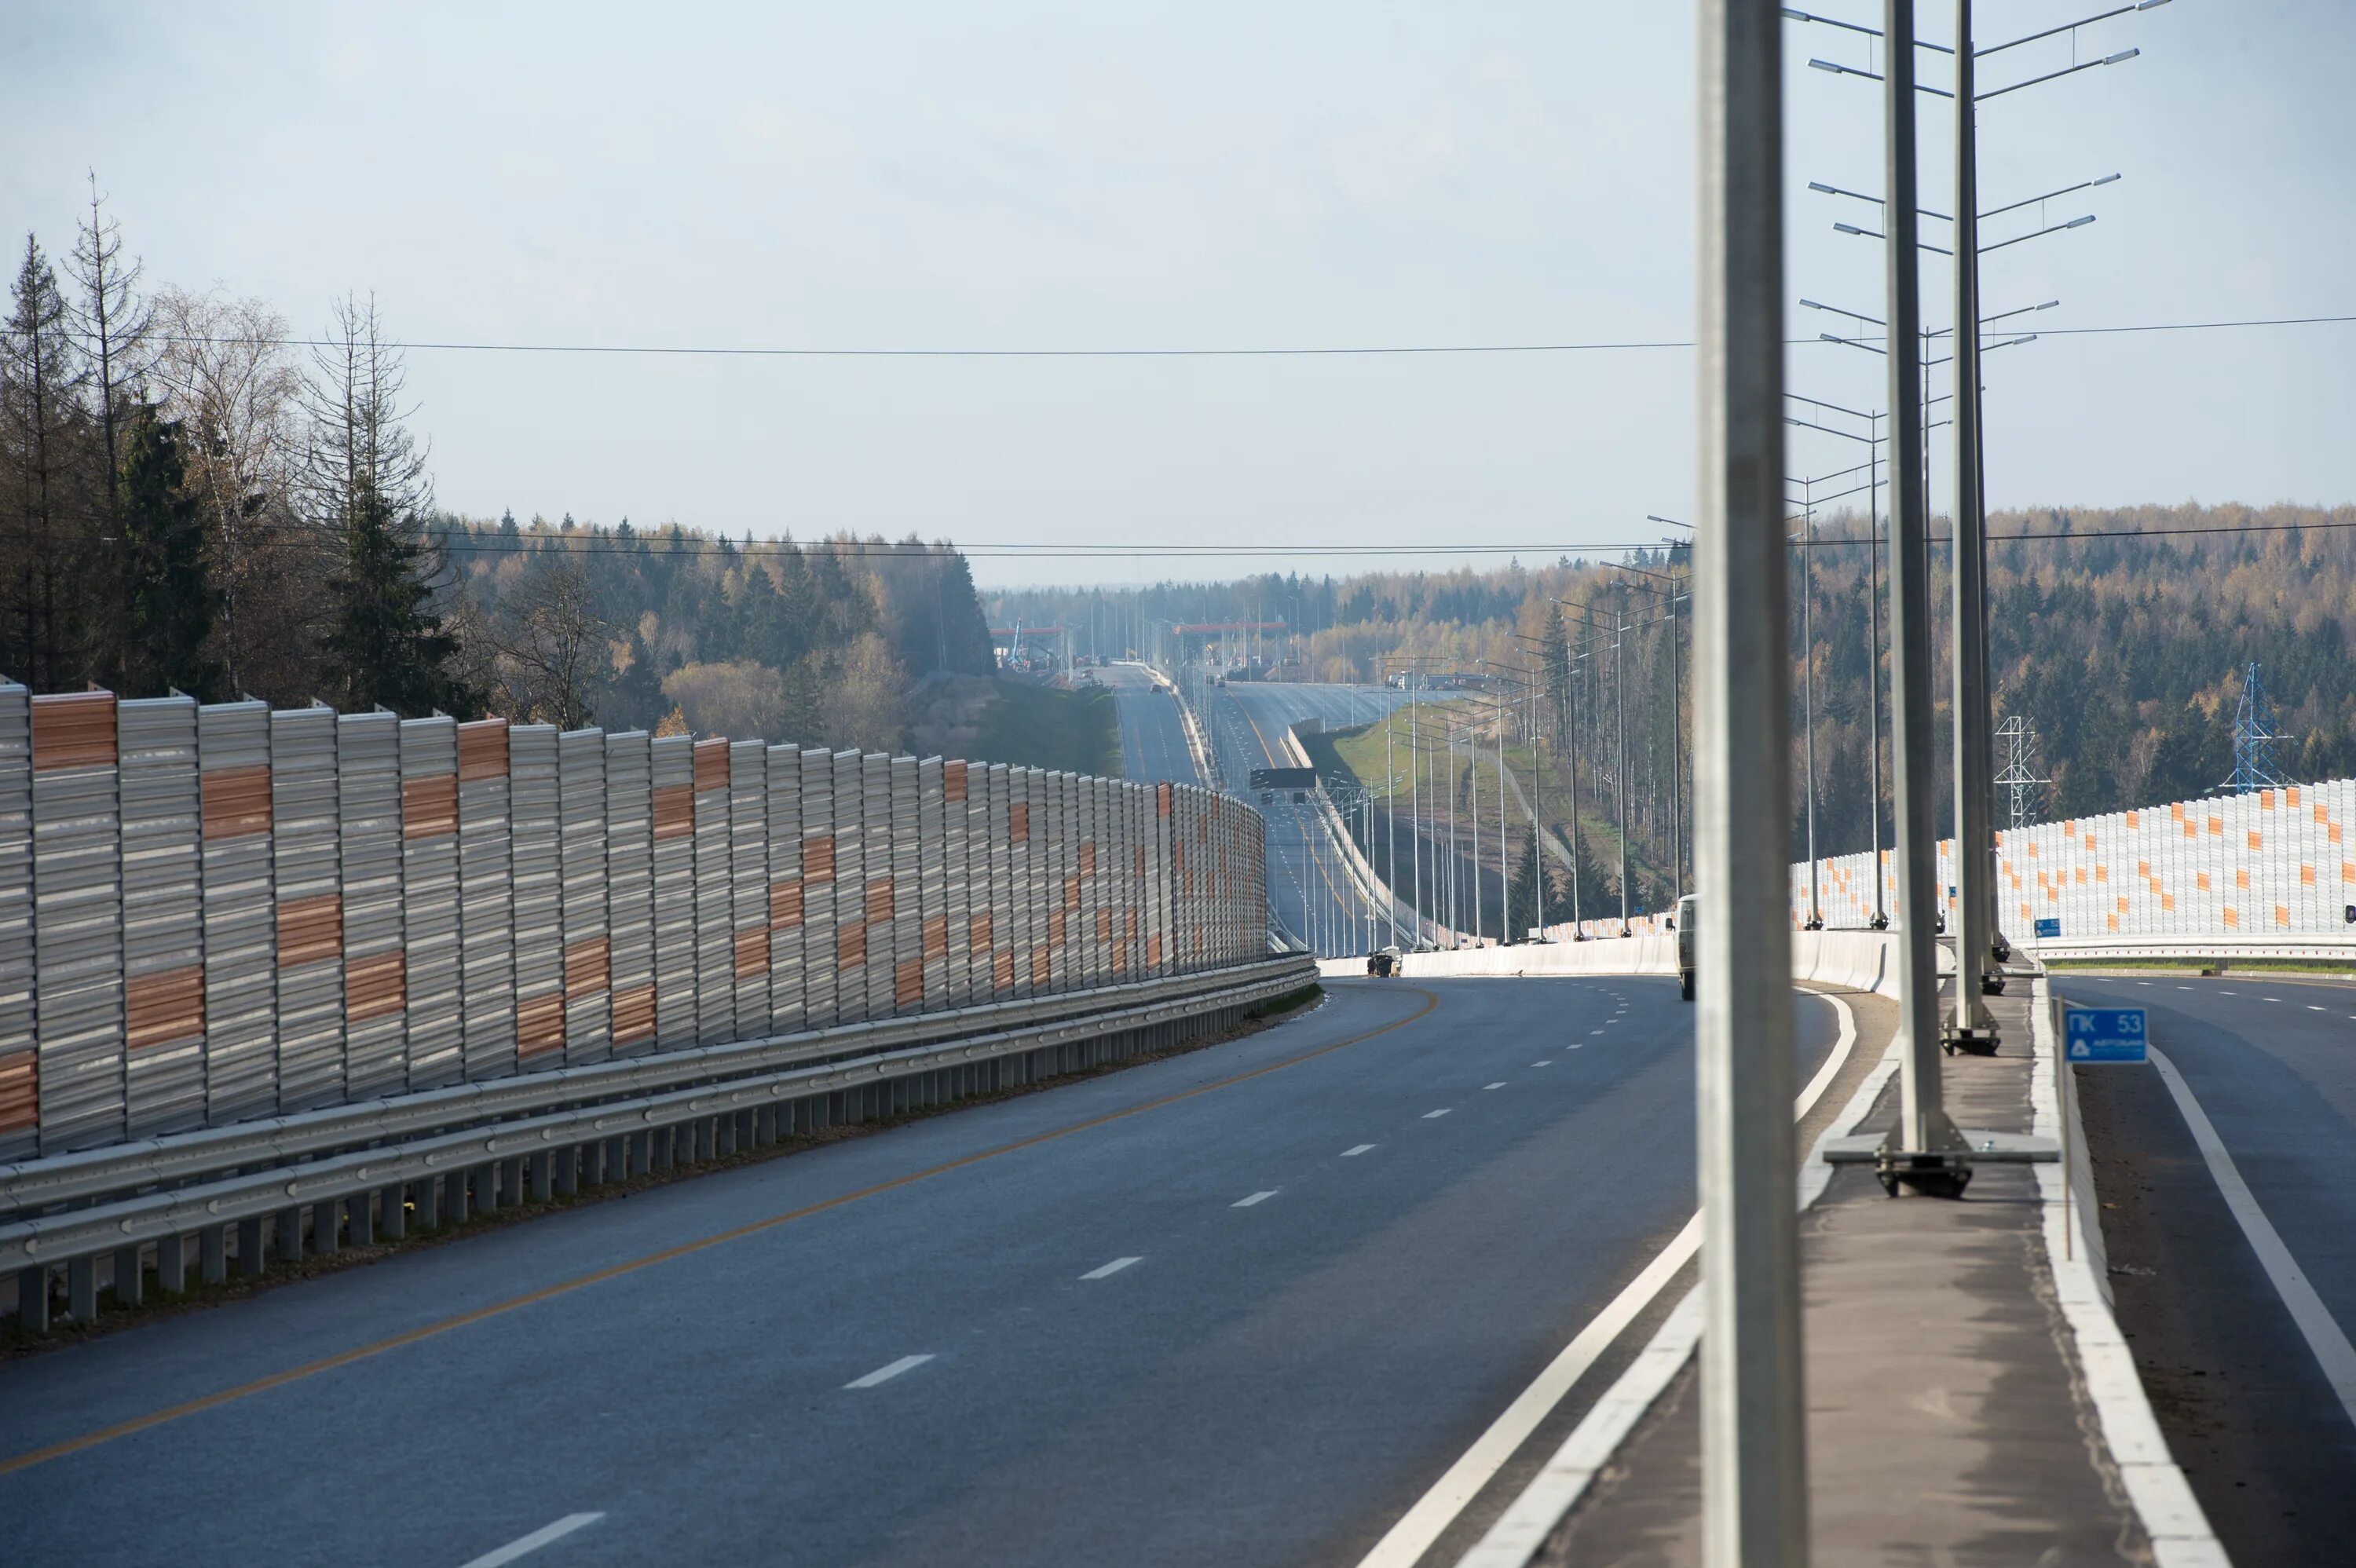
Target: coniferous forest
x=198 y=498
x=2120 y=636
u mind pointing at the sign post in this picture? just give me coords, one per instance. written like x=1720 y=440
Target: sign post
x=2095 y=1037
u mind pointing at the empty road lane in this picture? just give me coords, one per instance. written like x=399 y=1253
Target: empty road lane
x=1236 y=1306
x=2249 y=1409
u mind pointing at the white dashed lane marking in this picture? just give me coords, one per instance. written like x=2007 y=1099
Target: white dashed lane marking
x=884 y=1374
x=1500 y=1085
x=1111 y=1268
x=1435 y=1115
x=1254 y=1198
x=538 y=1538
x=1359 y=1149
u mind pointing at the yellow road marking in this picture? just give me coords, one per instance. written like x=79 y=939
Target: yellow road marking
x=26 y=1460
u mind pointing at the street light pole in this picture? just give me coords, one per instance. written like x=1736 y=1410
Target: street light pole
x=1971 y=1026
x=1753 y=1437
x=1620 y=748
x=1924 y=1147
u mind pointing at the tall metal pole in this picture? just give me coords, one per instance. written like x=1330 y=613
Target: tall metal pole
x=1753 y=1441
x=1809 y=694
x=1923 y=1136
x=1390 y=824
x=1676 y=766
x=1473 y=747
x=1971 y=1024
x=1414 y=802
x=1620 y=746
x=1873 y=651
x=1570 y=723
x=1504 y=880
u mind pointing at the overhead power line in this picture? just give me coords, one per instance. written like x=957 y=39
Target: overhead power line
x=720 y=351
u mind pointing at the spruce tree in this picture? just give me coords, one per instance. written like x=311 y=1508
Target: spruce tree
x=384 y=643
x=169 y=600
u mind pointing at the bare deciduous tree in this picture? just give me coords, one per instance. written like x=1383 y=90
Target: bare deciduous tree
x=227 y=377
x=554 y=648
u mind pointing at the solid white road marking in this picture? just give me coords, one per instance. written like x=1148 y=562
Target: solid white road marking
x=1411 y=1537
x=535 y=1540
x=1435 y=1115
x=1541 y=1064
x=1111 y=1268
x=1254 y=1198
x=2270 y=998
x=2315 y=1324
x=1359 y=1149
x=1500 y=1085
x=2313 y=1009
x=886 y=1374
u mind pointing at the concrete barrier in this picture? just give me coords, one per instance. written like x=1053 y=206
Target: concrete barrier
x=1858 y=960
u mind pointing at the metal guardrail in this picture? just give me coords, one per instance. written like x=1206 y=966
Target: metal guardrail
x=412 y=1148
x=2226 y=945
x=41 y=1184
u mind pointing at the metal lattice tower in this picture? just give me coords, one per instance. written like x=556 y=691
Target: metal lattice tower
x=2019 y=772
x=2253 y=739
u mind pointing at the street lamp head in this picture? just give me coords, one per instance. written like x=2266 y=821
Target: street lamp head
x=1821 y=186
x=2080 y=222
x=2105 y=179
x=1827 y=65
x=1853 y=228
x=2122 y=55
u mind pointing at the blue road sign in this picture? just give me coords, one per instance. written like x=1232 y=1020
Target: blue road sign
x=2048 y=928
x=2094 y=1035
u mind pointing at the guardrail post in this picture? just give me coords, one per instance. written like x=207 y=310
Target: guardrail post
x=394 y=1200
x=454 y=1197
x=33 y=1298
x=360 y=1208
x=326 y=1227
x=429 y=1203
x=286 y=1228
x=129 y=1278
x=251 y=1257
x=567 y=1161
x=212 y=1254
x=544 y=1176
x=81 y=1290
x=171 y=1265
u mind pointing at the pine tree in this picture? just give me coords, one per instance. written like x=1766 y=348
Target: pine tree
x=169 y=602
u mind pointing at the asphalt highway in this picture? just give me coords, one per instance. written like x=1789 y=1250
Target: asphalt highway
x=2248 y=1409
x=1236 y=1306
x=1312 y=896
x=1152 y=736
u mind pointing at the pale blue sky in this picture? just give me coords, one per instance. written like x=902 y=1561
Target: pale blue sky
x=1076 y=175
